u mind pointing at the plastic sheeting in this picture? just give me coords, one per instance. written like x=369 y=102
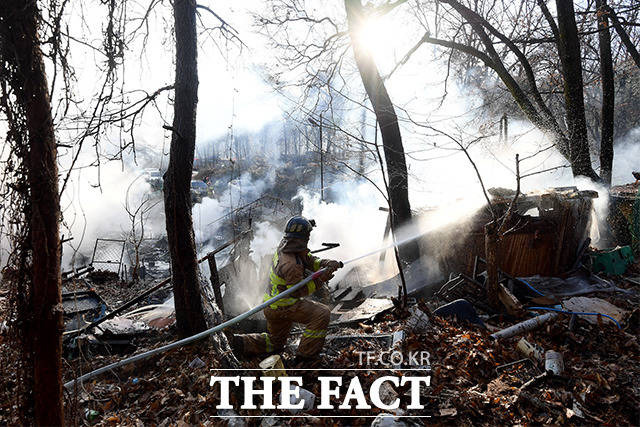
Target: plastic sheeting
x=578 y=284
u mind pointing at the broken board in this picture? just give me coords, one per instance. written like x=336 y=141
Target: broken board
x=369 y=308
x=594 y=305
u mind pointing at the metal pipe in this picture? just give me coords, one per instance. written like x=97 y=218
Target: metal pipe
x=223 y=246
x=327 y=246
x=525 y=326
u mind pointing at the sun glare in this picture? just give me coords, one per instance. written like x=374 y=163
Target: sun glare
x=374 y=35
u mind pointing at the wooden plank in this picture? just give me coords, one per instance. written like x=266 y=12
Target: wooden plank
x=215 y=281
x=509 y=301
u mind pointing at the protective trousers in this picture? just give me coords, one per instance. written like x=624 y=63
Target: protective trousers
x=313 y=315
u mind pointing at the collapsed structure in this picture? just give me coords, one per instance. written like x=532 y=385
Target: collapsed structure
x=545 y=233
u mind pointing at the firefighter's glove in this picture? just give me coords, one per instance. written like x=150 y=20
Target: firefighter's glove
x=326 y=276
x=333 y=265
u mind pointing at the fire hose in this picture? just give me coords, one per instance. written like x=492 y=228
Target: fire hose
x=195 y=337
x=222 y=325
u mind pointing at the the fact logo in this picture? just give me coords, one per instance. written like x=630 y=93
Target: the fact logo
x=352 y=396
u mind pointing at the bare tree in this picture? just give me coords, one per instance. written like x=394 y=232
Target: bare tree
x=608 y=93
x=570 y=58
x=26 y=80
x=389 y=128
x=539 y=59
x=177 y=179
x=323 y=60
x=138 y=213
x=624 y=36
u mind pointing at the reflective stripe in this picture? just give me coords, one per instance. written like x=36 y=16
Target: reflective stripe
x=267 y=340
x=311 y=287
x=284 y=302
x=316 y=262
x=275 y=281
x=314 y=333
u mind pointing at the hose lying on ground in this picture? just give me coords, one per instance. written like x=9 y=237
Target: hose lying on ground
x=577 y=313
x=223 y=325
x=195 y=337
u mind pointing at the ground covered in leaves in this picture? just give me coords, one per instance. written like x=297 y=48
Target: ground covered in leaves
x=474 y=378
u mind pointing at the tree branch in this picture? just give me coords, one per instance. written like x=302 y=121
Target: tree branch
x=624 y=36
x=226 y=27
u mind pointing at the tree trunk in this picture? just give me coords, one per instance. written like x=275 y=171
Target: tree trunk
x=608 y=93
x=491 y=253
x=177 y=181
x=389 y=128
x=20 y=34
x=571 y=59
x=363 y=147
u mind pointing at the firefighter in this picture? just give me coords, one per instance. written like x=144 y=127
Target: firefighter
x=292 y=262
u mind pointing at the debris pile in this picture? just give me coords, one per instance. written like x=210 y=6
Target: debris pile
x=474 y=377
x=561 y=346
x=624 y=215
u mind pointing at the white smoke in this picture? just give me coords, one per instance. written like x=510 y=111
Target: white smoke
x=354 y=220
x=626 y=157
x=265 y=240
x=91 y=211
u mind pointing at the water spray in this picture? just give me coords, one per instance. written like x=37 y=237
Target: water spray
x=68 y=385
x=398 y=243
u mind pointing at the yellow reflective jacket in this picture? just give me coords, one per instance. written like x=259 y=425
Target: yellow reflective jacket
x=287 y=269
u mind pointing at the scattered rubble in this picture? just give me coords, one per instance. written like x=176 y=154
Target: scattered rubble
x=418 y=321
x=474 y=378
x=607 y=310
x=623 y=215
x=562 y=349
x=367 y=309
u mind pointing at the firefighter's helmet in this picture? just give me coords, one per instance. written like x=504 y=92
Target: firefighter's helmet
x=299 y=227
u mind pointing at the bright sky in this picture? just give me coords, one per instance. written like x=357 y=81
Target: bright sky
x=233 y=87
x=234 y=91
